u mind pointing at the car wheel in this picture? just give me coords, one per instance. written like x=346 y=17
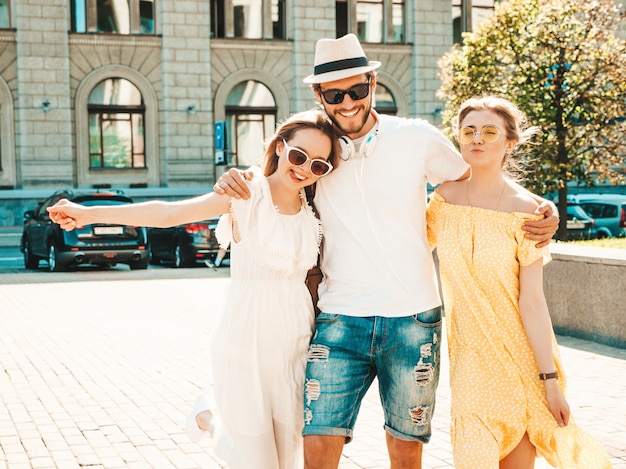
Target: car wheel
x=154 y=259
x=143 y=264
x=53 y=260
x=30 y=261
x=179 y=257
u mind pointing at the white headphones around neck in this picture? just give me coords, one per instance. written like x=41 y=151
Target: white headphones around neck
x=348 y=150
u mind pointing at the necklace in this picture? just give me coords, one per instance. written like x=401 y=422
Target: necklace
x=499 y=200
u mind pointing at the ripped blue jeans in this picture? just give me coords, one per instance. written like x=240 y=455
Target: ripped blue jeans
x=347 y=353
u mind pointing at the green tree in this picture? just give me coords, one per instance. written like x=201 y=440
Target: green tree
x=563 y=62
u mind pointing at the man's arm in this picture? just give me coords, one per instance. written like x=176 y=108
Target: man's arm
x=542 y=230
x=465 y=175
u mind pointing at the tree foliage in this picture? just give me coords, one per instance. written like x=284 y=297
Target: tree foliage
x=563 y=62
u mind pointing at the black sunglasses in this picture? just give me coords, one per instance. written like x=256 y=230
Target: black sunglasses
x=356 y=93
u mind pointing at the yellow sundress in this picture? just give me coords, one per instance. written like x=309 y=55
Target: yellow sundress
x=496 y=392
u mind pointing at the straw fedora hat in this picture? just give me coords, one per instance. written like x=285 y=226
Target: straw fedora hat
x=339 y=58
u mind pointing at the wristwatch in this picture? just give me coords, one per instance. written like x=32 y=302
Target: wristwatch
x=545 y=376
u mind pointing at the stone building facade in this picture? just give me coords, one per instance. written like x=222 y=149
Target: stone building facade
x=167 y=71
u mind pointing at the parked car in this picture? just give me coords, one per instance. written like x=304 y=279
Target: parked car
x=185 y=245
x=608 y=210
x=579 y=224
x=98 y=244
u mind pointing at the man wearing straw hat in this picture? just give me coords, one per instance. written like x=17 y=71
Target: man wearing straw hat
x=379 y=300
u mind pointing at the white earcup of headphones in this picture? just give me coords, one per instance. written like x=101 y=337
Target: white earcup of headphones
x=348 y=150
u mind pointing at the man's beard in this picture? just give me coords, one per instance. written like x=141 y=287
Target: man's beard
x=351 y=130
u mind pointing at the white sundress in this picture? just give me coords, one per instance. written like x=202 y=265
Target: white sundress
x=259 y=350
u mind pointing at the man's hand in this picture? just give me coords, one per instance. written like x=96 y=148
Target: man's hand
x=233 y=183
x=543 y=230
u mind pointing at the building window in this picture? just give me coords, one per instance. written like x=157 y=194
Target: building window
x=5 y=14
x=146 y=16
x=116 y=126
x=467 y=14
x=7 y=138
x=385 y=103
x=376 y=21
x=342 y=17
x=113 y=16
x=250 y=19
x=250 y=120
x=369 y=17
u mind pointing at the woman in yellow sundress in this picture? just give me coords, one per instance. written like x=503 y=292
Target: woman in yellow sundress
x=508 y=404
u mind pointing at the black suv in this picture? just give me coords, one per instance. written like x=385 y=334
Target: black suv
x=98 y=244
x=185 y=245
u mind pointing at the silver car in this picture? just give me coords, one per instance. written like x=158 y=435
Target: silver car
x=608 y=210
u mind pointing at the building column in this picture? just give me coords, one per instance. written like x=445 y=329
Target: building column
x=310 y=21
x=431 y=28
x=187 y=110
x=43 y=111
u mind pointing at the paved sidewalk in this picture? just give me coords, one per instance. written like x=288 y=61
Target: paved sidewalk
x=99 y=370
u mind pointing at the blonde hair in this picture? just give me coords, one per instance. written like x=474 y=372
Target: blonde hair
x=516 y=128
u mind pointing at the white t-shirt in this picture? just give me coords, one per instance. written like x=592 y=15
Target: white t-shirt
x=376 y=258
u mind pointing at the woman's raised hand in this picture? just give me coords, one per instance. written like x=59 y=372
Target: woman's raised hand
x=67 y=214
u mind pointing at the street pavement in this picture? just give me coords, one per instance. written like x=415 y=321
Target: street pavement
x=99 y=369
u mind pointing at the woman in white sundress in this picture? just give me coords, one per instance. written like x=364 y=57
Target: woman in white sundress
x=255 y=413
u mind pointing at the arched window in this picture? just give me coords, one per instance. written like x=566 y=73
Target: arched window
x=385 y=102
x=116 y=126
x=250 y=120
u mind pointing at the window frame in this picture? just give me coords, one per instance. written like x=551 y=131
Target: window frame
x=133 y=110
x=9 y=22
x=248 y=98
x=91 y=18
x=223 y=20
x=466 y=18
x=349 y=14
x=234 y=112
